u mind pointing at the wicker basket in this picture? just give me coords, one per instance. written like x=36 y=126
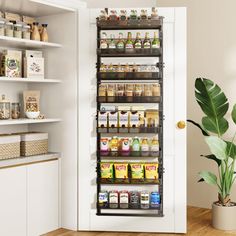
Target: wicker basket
x=9 y=146
x=34 y=144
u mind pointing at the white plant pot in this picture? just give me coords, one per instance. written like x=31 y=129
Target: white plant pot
x=224 y=218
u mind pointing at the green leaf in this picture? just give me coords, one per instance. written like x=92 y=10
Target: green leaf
x=217 y=146
x=213 y=103
x=208 y=177
x=204 y=132
x=210 y=125
x=212 y=157
x=233 y=113
x=231 y=149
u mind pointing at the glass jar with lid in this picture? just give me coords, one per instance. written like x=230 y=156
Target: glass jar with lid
x=18 y=30
x=9 y=29
x=2 y=27
x=26 y=32
x=15 y=110
x=4 y=108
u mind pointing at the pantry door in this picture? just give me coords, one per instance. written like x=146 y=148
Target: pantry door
x=174 y=196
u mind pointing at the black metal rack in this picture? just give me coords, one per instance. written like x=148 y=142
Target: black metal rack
x=148 y=24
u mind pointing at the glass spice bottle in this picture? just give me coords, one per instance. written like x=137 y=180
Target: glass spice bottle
x=4 y=108
x=15 y=110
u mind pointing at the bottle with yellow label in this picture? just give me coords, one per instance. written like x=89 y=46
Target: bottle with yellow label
x=154 y=145
x=114 y=144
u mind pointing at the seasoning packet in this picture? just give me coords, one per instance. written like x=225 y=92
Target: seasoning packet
x=31 y=101
x=137 y=171
x=121 y=170
x=106 y=170
x=151 y=171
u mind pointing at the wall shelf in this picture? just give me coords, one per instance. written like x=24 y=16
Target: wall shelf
x=26 y=43
x=26 y=121
x=28 y=80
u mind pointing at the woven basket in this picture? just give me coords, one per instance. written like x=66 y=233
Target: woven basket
x=9 y=147
x=34 y=144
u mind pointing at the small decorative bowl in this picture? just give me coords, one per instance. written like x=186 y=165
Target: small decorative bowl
x=32 y=115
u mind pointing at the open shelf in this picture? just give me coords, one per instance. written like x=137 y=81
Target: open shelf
x=128 y=206
x=128 y=76
x=126 y=99
x=135 y=52
x=24 y=121
x=129 y=24
x=26 y=43
x=28 y=80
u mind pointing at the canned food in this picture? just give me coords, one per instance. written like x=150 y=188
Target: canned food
x=113 y=199
x=145 y=201
x=124 y=199
x=155 y=199
x=103 y=199
x=134 y=199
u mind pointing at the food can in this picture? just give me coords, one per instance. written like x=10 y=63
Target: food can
x=103 y=199
x=124 y=199
x=144 y=200
x=155 y=199
x=113 y=199
x=134 y=199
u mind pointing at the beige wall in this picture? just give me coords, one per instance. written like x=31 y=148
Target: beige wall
x=211 y=54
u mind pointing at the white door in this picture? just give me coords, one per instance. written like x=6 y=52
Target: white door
x=13 y=201
x=42 y=195
x=174 y=196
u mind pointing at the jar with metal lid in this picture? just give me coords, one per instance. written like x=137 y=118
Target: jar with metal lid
x=15 y=110
x=2 y=27
x=9 y=29
x=18 y=30
x=26 y=32
x=4 y=108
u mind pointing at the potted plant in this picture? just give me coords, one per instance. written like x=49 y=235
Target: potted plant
x=215 y=105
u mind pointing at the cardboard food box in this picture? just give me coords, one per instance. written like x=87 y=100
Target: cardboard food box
x=33 y=53
x=113 y=119
x=102 y=119
x=11 y=63
x=34 y=67
x=134 y=119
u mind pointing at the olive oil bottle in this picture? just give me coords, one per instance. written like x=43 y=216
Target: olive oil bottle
x=138 y=41
x=129 y=43
x=147 y=41
x=156 y=41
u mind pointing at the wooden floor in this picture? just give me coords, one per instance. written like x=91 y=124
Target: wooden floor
x=199 y=224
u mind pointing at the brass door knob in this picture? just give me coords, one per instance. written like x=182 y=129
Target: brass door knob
x=181 y=124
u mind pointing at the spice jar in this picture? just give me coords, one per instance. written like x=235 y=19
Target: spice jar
x=18 y=30
x=148 y=90
x=4 y=108
x=120 y=90
x=156 y=90
x=138 y=89
x=15 y=110
x=26 y=32
x=35 y=32
x=2 y=27
x=44 y=33
x=9 y=29
x=111 y=92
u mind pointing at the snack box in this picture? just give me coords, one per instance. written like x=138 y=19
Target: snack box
x=34 y=67
x=113 y=119
x=124 y=119
x=102 y=119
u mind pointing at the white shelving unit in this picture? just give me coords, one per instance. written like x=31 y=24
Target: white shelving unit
x=26 y=43
x=27 y=121
x=28 y=80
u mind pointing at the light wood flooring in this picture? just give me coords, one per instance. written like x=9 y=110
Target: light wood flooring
x=199 y=224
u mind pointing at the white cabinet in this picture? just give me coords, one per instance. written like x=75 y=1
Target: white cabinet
x=13 y=197
x=42 y=198
x=29 y=199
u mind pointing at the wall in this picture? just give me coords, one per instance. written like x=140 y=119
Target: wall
x=211 y=54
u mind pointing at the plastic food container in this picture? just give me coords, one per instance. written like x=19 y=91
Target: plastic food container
x=18 y=31
x=9 y=29
x=2 y=27
x=26 y=32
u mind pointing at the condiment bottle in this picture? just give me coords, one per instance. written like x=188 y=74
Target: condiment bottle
x=44 y=33
x=35 y=32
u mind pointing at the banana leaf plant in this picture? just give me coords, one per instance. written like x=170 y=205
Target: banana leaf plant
x=215 y=105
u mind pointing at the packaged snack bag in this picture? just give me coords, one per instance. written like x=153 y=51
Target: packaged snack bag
x=106 y=170
x=151 y=171
x=121 y=170
x=137 y=171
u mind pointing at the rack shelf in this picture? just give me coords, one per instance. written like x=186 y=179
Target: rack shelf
x=26 y=43
x=128 y=181
x=128 y=76
x=123 y=206
x=135 y=52
x=28 y=80
x=27 y=121
x=126 y=99
x=123 y=154
x=141 y=130
x=159 y=214
x=129 y=24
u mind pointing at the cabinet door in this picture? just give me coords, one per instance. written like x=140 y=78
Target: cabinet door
x=43 y=198
x=13 y=201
